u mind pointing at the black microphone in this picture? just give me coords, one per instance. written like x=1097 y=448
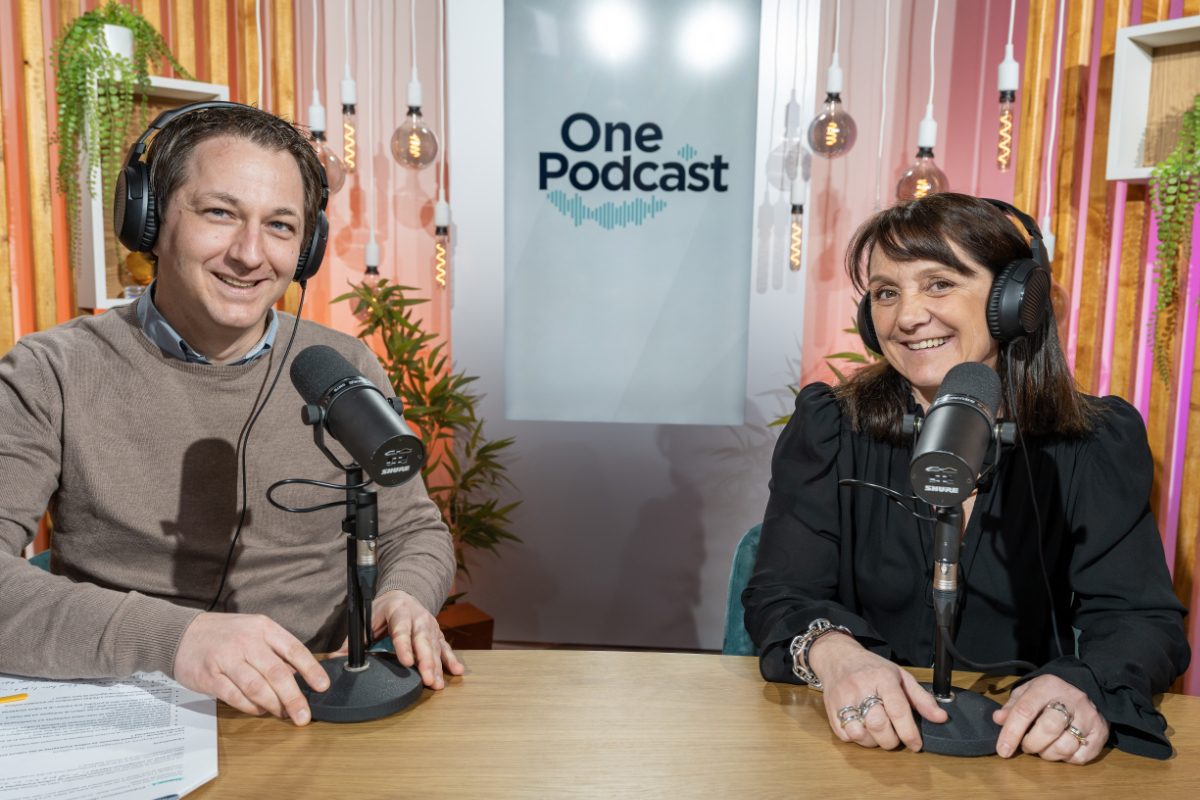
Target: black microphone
x=955 y=435
x=370 y=426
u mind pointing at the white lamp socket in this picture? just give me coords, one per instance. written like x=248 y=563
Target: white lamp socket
x=372 y=252
x=316 y=114
x=1009 y=78
x=797 y=192
x=441 y=214
x=414 y=90
x=833 y=77
x=1048 y=239
x=927 y=130
x=349 y=91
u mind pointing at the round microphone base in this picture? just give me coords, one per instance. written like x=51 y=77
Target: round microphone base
x=385 y=687
x=968 y=732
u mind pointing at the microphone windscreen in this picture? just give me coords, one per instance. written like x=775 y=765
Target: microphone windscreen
x=317 y=368
x=974 y=380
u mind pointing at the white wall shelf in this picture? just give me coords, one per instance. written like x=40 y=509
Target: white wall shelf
x=91 y=273
x=1132 y=68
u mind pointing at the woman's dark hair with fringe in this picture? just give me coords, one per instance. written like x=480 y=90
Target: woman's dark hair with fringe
x=876 y=397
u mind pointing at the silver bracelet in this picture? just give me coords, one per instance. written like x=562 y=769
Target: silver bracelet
x=801 y=645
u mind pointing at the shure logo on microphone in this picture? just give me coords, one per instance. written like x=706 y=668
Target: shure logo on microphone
x=950 y=489
x=390 y=470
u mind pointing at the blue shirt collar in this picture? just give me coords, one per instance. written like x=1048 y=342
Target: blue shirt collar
x=159 y=331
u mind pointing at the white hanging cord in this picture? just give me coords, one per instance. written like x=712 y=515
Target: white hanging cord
x=1048 y=198
x=346 y=28
x=932 y=39
x=837 y=30
x=887 y=19
x=412 y=27
x=314 y=48
x=371 y=111
x=1012 y=15
x=442 y=96
x=258 y=41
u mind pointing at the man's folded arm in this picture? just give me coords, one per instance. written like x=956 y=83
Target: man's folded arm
x=50 y=626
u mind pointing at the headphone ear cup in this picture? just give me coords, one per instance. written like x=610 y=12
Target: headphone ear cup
x=130 y=205
x=310 y=259
x=1018 y=301
x=150 y=226
x=866 y=324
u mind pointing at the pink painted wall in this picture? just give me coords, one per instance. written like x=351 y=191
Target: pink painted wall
x=404 y=199
x=970 y=37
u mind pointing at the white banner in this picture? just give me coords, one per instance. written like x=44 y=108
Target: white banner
x=629 y=173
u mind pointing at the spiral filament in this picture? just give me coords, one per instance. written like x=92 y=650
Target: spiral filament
x=797 y=240
x=1004 y=152
x=348 y=146
x=922 y=188
x=414 y=145
x=440 y=257
x=831 y=134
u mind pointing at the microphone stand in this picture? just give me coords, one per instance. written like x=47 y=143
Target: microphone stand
x=969 y=730
x=362 y=685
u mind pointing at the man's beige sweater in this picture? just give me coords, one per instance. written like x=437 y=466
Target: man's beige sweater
x=136 y=453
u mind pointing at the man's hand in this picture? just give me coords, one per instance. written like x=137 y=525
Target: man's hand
x=850 y=673
x=1027 y=721
x=415 y=633
x=249 y=661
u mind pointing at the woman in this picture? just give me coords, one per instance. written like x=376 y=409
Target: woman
x=851 y=557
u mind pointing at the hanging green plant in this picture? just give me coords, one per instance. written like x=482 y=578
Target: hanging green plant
x=95 y=89
x=850 y=357
x=1175 y=190
x=439 y=405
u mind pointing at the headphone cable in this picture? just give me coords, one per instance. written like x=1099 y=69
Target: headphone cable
x=244 y=443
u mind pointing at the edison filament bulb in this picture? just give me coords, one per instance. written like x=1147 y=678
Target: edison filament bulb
x=441 y=245
x=1004 y=149
x=349 y=138
x=922 y=179
x=796 y=228
x=335 y=172
x=832 y=132
x=370 y=281
x=414 y=144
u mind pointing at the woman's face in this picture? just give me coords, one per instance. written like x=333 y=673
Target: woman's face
x=929 y=318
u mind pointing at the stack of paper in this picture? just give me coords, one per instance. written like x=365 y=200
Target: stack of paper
x=144 y=737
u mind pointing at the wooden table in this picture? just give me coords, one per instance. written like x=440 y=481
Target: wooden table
x=614 y=725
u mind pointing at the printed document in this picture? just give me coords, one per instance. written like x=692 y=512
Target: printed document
x=144 y=738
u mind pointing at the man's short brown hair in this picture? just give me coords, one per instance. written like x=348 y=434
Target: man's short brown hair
x=169 y=155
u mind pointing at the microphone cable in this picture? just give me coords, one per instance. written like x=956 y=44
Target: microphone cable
x=1037 y=514
x=310 y=482
x=244 y=443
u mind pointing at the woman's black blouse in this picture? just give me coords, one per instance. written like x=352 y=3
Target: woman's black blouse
x=857 y=559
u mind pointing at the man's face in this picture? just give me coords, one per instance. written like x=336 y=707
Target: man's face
x=231 y=237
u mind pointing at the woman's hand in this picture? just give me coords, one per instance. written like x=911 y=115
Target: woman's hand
x=1028 y=721
x=850 y=673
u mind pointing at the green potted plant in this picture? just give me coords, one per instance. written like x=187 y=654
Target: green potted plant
x=101 y=63
x=1174 y=192
x=464 y=473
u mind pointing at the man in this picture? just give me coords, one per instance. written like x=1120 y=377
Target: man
x=127 y=425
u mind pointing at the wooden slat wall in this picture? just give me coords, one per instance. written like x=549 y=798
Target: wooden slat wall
x=1101 y=196
x=1072 y=130
x=7 y=337
x=283 y=92
x=1129 y=294
x=38 y=155
x=1035 y=89
x=247 y=39
x=183 y=34
x=216 y=39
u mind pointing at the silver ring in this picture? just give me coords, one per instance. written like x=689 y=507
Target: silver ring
x=1071 y=729
x=849 y=714
x=867 y=704
x=1062 y=709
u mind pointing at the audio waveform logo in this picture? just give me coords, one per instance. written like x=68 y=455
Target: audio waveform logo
x=608 y=215
x=687 y=152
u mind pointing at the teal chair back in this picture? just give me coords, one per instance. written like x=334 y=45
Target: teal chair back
x=41 y=560
x=737 y=640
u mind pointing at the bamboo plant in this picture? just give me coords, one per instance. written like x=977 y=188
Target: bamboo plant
x=1175 y=191
x=464 y=473
x=96 y=92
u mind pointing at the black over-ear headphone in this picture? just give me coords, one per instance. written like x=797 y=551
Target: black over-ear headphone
x=1020 y=296
x=135 y=208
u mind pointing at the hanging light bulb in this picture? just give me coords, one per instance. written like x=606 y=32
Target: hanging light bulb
x=371 y=278
x=335 y=173
x=833 y=131
x=414 y=144
x=924 y=177
x=1009 y=80
x=349 y=122
x=796 y=231
x=441 y=223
